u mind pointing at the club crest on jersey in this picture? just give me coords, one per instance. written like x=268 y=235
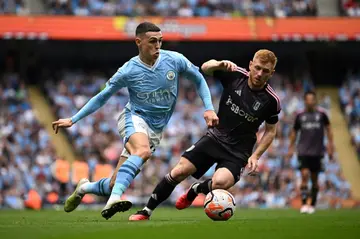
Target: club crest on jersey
x=170 y=75
x=317 y=117
x=256 y=105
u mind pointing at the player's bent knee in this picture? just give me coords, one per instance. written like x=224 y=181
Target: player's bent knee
x=182 y=170
x=179 y=173
x=143 y=152
x=222 y=183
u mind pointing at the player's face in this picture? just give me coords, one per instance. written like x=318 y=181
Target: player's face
x=310 y=101
x=260 y=72
x=149 y=44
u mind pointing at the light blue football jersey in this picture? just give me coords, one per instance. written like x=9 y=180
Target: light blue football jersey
x=153 y=90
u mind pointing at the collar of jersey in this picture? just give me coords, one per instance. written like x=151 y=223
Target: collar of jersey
x=150 y=67
x=247 y=84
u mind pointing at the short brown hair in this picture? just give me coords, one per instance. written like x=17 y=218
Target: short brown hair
x=145 y=27
x=266 y=56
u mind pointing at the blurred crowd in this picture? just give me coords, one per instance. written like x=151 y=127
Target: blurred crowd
x=349 y=95
x=28 y=161
x=350 y=7
x=26 y=154
x=183 y=8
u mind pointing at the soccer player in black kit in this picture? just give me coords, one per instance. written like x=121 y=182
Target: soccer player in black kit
x=311 y=124
x=246 y=102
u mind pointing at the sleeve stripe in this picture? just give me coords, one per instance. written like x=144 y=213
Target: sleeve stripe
x=242 y=70
x=273 y=94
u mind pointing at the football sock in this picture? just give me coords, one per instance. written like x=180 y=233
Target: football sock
x=204 y=187
x=162 y=191
x=99 y=188
x=304 y=194
x=125 y=176
x=314 y=193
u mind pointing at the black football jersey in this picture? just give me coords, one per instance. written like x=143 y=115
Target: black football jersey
x=311 y=126
x=242 y=111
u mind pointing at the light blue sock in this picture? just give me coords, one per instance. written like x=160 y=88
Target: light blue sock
x=99 y=188
x=126 y=174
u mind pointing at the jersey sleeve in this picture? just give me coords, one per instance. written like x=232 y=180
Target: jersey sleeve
x=226 y=78
x=275 y=109
x=118 y=80
x=184 y=65
x=297 y=124
x=115 y=83
x=326 y=119
x=191 y=72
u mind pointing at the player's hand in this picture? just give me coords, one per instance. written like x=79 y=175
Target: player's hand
x=290 y=153
x=330 y=150
x=61 y=123
x=227 y=65
x=211 y=118
x=252 y=165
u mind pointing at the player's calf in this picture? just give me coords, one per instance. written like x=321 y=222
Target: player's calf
x=161 y=192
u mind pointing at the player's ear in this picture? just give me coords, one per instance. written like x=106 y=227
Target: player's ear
x=273 y=71
x=250 y=64
x=137 y=41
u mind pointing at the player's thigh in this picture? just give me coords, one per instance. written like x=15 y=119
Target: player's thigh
x=304 y=166
x=315 y=164
x=134 y=131
x=228 y=170
x=202 y=155
x=182 y=169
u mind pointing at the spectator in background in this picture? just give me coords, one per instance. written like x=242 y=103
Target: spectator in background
x=351 y=8
x=185 y=8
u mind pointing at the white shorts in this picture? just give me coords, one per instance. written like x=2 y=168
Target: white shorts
x=129 y=123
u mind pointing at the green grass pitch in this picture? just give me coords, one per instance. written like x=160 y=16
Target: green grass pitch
x=188 y=224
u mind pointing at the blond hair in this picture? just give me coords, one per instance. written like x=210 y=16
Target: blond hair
x=266 y=56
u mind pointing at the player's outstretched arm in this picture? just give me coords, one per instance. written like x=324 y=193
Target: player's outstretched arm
x=291 y=149
x=330 y=146
x=90 y=107
x=204 y=92
x=213 y=65
x=266 y=139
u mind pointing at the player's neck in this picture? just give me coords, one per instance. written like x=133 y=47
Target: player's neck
x=255 y=88
x=310 y=109
x=149 y=62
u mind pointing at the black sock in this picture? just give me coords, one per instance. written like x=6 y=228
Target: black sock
x=162 y=191
x=204 y=187
x=304 y=194
x=314 y=193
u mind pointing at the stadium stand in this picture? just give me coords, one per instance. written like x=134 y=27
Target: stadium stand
x=349 y=95
x=26 y=154
x=185 y=8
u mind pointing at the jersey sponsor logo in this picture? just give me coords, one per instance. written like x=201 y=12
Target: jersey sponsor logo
x=256 y=105
x=238 y=92
x=239 y=111
x=311 y=125
x=157 y=95
x=170 y=75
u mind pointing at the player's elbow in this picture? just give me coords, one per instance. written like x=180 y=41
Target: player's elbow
x=206 y=67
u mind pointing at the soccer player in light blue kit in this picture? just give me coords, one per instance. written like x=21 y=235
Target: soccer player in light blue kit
x=152 y=79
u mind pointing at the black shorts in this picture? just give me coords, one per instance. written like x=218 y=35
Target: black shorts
x=313 y=163
x=206 y=152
